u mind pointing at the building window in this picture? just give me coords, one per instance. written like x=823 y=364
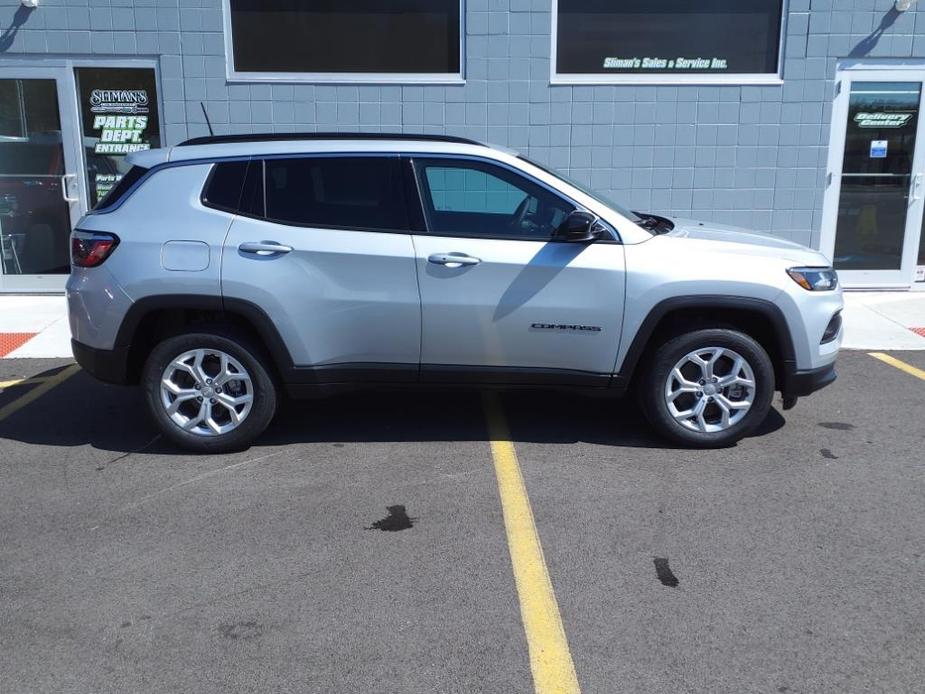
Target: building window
x=344 y=40
x=601 y=41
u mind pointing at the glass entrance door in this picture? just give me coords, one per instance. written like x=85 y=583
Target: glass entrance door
x=874 y=201
x=40 y=181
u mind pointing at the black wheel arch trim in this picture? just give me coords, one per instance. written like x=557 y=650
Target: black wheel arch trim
x=767 y=309
x=144 y=307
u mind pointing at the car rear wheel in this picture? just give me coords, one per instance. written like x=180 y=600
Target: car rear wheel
x=209 y=392
x=708 y=388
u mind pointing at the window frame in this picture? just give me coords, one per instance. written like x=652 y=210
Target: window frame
x=738 y=78
x=232 y=74
x=420 y=184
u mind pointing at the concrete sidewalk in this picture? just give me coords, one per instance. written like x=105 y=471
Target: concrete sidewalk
x=37 y=327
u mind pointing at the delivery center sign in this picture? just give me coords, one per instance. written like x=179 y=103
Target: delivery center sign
x=119 y=116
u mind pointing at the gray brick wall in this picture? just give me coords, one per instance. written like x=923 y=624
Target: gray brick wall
x=748 y=155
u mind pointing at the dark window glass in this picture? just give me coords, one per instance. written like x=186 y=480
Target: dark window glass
x=223 y=189
x=118 y=191
x=410 y=36
x=670 y=36
x=34 y=218
x=877 y=172
x=30 y=131
x=470 y=198
x=345 y=192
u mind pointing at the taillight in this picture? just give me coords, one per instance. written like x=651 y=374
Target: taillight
x=91 y=248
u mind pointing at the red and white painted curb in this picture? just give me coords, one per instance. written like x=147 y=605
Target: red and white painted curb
x=34 y=327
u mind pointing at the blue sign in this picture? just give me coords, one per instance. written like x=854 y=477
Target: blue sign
x=878 y=149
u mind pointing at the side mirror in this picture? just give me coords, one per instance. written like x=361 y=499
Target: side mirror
x=579 y=227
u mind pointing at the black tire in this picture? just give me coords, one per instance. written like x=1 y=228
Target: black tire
x=659 y=367
x=250 y=357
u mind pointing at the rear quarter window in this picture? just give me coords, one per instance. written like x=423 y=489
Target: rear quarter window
x=118 y=191
x=223 y=187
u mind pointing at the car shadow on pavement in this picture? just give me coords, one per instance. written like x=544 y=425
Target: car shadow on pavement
x=81 y=411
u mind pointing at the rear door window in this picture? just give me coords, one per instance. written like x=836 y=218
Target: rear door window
x=339 y=192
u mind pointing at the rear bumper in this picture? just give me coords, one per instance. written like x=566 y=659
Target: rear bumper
x=800 y=383
x=110 y=366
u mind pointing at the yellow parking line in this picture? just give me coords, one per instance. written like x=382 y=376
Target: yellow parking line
x=550 y=658
x=38 y=391
x=20 y=382
x=901 y=365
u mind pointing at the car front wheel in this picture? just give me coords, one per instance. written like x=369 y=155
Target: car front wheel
x=209 y=392
x=708 y=388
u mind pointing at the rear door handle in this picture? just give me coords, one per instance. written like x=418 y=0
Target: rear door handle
x=453 y=259
x=264 y=248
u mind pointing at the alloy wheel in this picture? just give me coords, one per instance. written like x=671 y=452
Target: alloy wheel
x=710 y=389
x=206 y=392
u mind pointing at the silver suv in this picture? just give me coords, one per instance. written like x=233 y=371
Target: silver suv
x=225 y=270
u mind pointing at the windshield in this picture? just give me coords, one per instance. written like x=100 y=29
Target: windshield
x=603 y=199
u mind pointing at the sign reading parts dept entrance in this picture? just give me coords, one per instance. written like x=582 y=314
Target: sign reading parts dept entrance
x=119 y=116
x=120 y=134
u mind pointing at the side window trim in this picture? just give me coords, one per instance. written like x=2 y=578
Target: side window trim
x=425 y=195
x=426 y=198
x=414 y=198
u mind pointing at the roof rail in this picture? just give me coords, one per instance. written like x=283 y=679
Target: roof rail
x=276 y=137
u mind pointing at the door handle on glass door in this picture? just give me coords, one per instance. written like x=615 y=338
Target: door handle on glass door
x=916 y=188
x=264 y=248
x=453 y=260
x=64 y=187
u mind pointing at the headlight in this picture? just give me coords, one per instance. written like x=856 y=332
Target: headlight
x=814 y=279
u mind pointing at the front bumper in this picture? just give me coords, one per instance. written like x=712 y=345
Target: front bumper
x=800 y=383
x=108 y=365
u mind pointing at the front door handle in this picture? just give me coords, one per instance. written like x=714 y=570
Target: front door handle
x=264 y=248
x=453 y=260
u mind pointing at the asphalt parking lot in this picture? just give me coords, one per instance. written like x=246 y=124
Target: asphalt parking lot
x=363 y=546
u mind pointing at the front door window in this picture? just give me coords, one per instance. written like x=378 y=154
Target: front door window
x=475 y=198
